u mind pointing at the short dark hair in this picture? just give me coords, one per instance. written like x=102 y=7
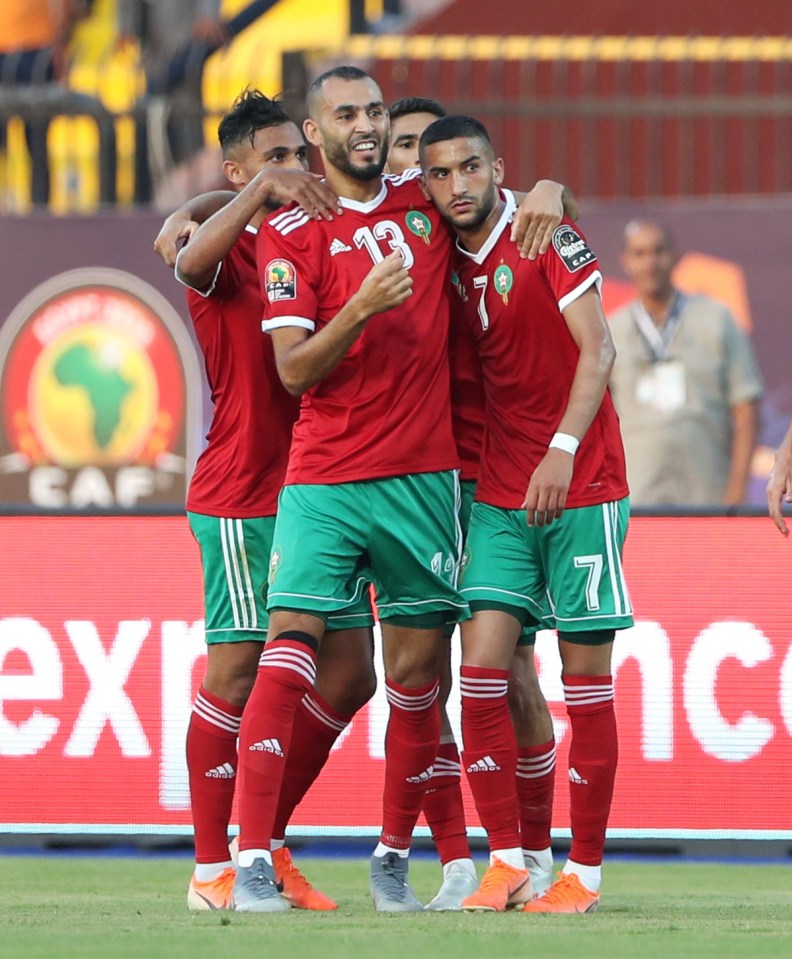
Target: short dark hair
x=344 y=72
x=451 y=128
x=408 y=105
x=252 y=111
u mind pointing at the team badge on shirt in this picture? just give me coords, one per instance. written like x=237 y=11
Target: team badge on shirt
x=504 y=280
x=419 y=224
x=572 y=248
x=280 y=281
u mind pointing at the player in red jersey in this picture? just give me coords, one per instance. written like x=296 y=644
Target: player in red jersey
x=550 y=514
x=443 y=806
x=370 y=488
x=232 y=503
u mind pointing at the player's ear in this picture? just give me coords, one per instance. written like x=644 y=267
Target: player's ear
x=311 y=131
x=422 y=184
x=232 y=171
x=497 y=170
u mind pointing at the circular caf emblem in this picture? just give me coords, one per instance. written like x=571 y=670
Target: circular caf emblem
x=504 y=280
x=419 y=224
x=91 y=375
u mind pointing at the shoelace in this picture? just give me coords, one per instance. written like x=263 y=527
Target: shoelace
x=389 y=865
x=493 y=876
x=564 y=890
x=294 y=874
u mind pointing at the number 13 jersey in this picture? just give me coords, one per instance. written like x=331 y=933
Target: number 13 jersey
x=385 y=409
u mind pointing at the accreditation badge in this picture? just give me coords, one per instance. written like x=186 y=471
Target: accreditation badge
x=662 y=386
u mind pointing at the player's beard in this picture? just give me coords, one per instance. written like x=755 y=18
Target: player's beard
x=339 y=155
x=482 y=210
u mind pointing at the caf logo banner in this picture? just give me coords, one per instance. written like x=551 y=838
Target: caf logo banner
x=100 y=396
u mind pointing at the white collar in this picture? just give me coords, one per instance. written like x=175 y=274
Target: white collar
x=497 y=230
x=369 y=206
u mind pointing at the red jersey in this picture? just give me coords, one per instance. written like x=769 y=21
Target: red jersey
x=467 y=391
x=240 y=473
x=529 y=357
x=384 y=410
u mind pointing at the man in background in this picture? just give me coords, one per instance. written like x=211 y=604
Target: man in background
x=685 y=384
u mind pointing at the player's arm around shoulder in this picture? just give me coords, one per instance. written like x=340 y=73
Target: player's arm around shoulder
x=182 y=223
x=305 y=358
x=539 y=213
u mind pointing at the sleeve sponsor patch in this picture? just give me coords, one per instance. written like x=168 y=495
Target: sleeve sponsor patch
x=572 y=248
x=280 y=281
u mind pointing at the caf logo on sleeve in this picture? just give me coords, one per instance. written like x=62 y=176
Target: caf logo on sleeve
x=572 y=248
x=280 y=281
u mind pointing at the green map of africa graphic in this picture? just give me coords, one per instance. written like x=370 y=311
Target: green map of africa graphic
x=105 y=388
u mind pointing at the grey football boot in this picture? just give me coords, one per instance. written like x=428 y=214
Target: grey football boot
x=458 y=884
x=255 y=889
x=389 y=885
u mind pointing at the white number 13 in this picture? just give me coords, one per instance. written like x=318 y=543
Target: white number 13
x=366 y=238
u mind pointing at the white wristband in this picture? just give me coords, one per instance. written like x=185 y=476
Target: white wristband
x=565 y=442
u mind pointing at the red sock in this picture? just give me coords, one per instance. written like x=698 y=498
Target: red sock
x=535 y=784
x=442 y=805
x=490 y=754
x=211 y=765
x=316 y=727
x=410 y=749
x=593 y=757
x=286 y=672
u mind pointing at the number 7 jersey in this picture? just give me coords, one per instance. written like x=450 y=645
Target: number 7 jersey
x=514 y=310
x=385 y=409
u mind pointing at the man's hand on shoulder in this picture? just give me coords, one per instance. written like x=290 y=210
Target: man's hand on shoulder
x=539 y=214
x=308 y=190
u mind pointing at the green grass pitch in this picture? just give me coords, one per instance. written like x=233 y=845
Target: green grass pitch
x=108 y=908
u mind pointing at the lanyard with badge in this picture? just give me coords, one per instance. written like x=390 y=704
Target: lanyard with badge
x=662 y=385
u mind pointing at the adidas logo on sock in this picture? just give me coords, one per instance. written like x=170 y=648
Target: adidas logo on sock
x=575 y=777
x=267 y=746
x=485 y=765
x=226 y=771
x=422 y=778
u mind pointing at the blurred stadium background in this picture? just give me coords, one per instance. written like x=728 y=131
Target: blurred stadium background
x=681 y=110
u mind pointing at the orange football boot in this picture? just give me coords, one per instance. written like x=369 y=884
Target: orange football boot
x=566 y=895
x=296 y=888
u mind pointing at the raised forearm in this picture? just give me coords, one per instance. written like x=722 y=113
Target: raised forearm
x=213 y=240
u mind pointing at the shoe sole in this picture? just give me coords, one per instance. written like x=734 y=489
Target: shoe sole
x=198 y=903
x=264 y=906
x=511 y=902
x=569 y=912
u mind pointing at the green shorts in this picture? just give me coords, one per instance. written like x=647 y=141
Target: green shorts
x=235 y=556
x=569 y=571
x=530 y=629
x=401 y=532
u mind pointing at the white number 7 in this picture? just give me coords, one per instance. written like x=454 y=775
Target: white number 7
x=480 y=283
x=594 y=565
